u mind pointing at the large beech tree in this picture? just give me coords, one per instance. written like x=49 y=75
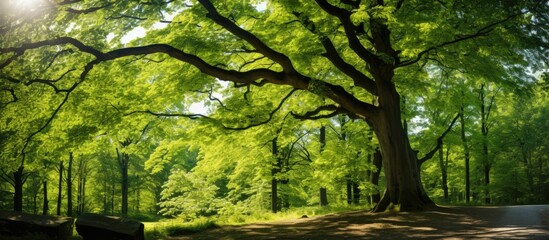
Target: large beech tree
x=355 y=55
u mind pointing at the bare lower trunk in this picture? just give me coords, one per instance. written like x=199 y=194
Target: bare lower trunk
x=323 y=197
x=404 y=189
x=349 y=188
x=467 y=158
x=18 y=190
x=375 y=175
x=274 y=171
x=45 y=206
x=443 y=170
x=356 y=193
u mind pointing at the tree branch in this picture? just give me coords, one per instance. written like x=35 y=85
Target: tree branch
x=359 y=79
x=261 y=47
x=350 y=31
x=314 y=114
x=431 y=153
x=296 y=80
x=484 y=31
x=271 y=114
x=14 y=97
x=190 y=116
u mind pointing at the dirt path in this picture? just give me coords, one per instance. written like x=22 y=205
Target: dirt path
x=509 y=222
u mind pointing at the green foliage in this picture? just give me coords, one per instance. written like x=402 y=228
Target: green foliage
x=190 y=166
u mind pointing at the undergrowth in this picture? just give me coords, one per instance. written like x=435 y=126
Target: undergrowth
x=177 y=227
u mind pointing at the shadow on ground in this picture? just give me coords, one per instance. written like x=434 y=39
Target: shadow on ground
x=443 y=223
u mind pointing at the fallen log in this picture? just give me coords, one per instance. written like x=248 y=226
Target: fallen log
x=18 y=225
x=95 y=226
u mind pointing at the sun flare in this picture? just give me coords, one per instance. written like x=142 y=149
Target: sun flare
x=26 y=4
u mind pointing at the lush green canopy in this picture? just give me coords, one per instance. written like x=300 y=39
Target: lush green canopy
x=162 y=85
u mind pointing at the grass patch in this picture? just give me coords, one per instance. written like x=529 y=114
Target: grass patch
x=177 y=227
x=155 y=230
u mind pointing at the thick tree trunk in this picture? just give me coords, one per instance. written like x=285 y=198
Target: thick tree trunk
x=60 y=188
x=69 y=185
x=404 y=189
x=45 y=206
x=18 y=189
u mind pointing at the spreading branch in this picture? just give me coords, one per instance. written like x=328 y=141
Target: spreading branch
x=157 y=114
x=359 y=78
x=350 y=31
x=431 y=153
x=482 y=32
x=271 y=114
x=261 y=47
x=314 y=114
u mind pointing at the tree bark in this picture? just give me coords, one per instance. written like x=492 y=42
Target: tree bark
x=18 y=189
x=69 y=185
x=404 y=189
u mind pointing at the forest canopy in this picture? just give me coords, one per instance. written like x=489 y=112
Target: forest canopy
x=202 y=108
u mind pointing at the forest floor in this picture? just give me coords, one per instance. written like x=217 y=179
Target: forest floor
x=498 y=222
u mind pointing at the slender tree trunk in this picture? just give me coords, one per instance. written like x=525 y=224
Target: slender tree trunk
x=377 y=161
x=349 y=187
x=467 y=158
x=125 y=187
x=60 y=189
x=323 y=195
x=487 y=183
x=69 y=185
x=123 y=161
x=45 y=206
x=18 y=189
x=443 y=170
x=275 y=169
x=486 y=162
x=356 y=193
